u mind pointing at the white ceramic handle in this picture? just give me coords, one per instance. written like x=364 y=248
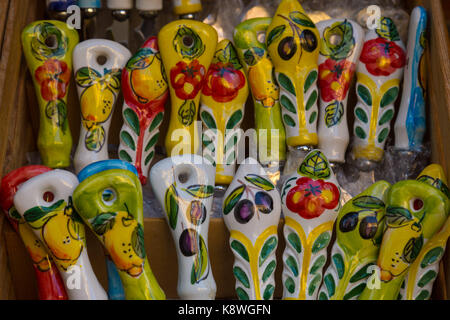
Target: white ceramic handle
x=379 y=72
x=184 y=186
x=251 y=211
x=98 y=87
x=119 y=4
x=149 y=5
x=45 y=203
x=410 y=125
x=341 y=44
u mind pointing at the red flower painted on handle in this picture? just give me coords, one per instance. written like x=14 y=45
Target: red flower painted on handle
x=187 y=80
x=334 y=79
x=310 y=198
x=53 y=78
x=223 y=82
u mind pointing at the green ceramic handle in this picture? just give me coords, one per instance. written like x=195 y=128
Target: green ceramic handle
x=48 y=47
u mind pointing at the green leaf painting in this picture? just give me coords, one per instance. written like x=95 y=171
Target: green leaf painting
x=315 y=165
x=171 y=206
x=232 y=199
x=260 y=182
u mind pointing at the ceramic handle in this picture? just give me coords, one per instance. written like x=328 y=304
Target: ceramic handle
x=416 y=211
x=341 y=44
x=98 y=85
x=379 y=72
x=410 y=124
x=149 y=5
x=359 y=230
x=187 y=49
x=310 y=200
x=184 y=7
x=293 y=44
x=90 y=4
x=45 y=202
x=184 y=186
x=48 y=47
x=145 y=91
x=251 y=211
x=265 y=91
x=59 y=5
x=109 y=200
x=119 y=4
x=50 y=284
x=222 y=110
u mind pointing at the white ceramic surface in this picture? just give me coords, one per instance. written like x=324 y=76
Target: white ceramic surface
x=149 y=5
x=119 y=4
x=57 y=229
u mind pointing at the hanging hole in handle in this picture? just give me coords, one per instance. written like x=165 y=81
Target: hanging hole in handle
x=261 y=37
x=51 y=42
x=183 y=177
x=101 y=59
x=335 y=39
x=188 y=41
x=48 y=196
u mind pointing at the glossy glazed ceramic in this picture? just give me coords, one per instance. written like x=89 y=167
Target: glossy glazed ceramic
x=379 y=72
x=265 y=91
x=109 y=200
x=48 y=47
x=50 y=284
x=340 y=47
x=45 y=202
x=145 y=91
x=98 y=84
x=410 y=124
x=184 y=186
x=415 y=212
x=310 y=200
x=223 y=99
x=293 y=44
x=251 y=210
x=183 y=7
x=359 y=230
x=187 y=49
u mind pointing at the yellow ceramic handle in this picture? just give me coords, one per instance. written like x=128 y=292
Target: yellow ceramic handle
x=223 y=100
x=48 y=47
x=293 y=44
x=187 y=48
x=183 y=7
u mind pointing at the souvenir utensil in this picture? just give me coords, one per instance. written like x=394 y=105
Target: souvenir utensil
x=145 y=91
x=265 y=91
x=379 y=72
x=48 y=47
x=223 y=99
x=415 y=212
x=50 y=284
x=109 y=199
x=187 y=49
x=310 y=199
x=186 y=9
x=293 y=44
x=120 y=28
x=251 y=210
x=90 y=9
x=98 y=84
x=57 y=9
x=184 y=186
x=45 y=202
x=148 y=11
x=359 y=230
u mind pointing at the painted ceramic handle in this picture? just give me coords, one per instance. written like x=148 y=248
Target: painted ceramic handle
x=379 y=72
x=187 y=49
x=251 y=210
x=59 y=5
x=341 y=44
x=416 y=211
x=98 y=84
x=293 y=44
x=310 y=199
x=359 y=230
x=265 y=91
x=50 y=284
x=90 y=4
x=184 y=186
x=119 y=4
x=48 y=47
x=45 y=202
x=184 y=7
x=149 y=5
x=109 y=200
x=145 y=91
x=223 y=101
x=410 y=125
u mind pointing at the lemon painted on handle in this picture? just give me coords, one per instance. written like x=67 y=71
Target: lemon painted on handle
x=293 y=43
x=48 y=47
x=187 y=49
x=265 y=91
x=222 y=108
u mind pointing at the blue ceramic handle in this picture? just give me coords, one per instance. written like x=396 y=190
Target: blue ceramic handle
x=60 y=5
x=90 y=4
x=115 y=288
x=104 y=165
